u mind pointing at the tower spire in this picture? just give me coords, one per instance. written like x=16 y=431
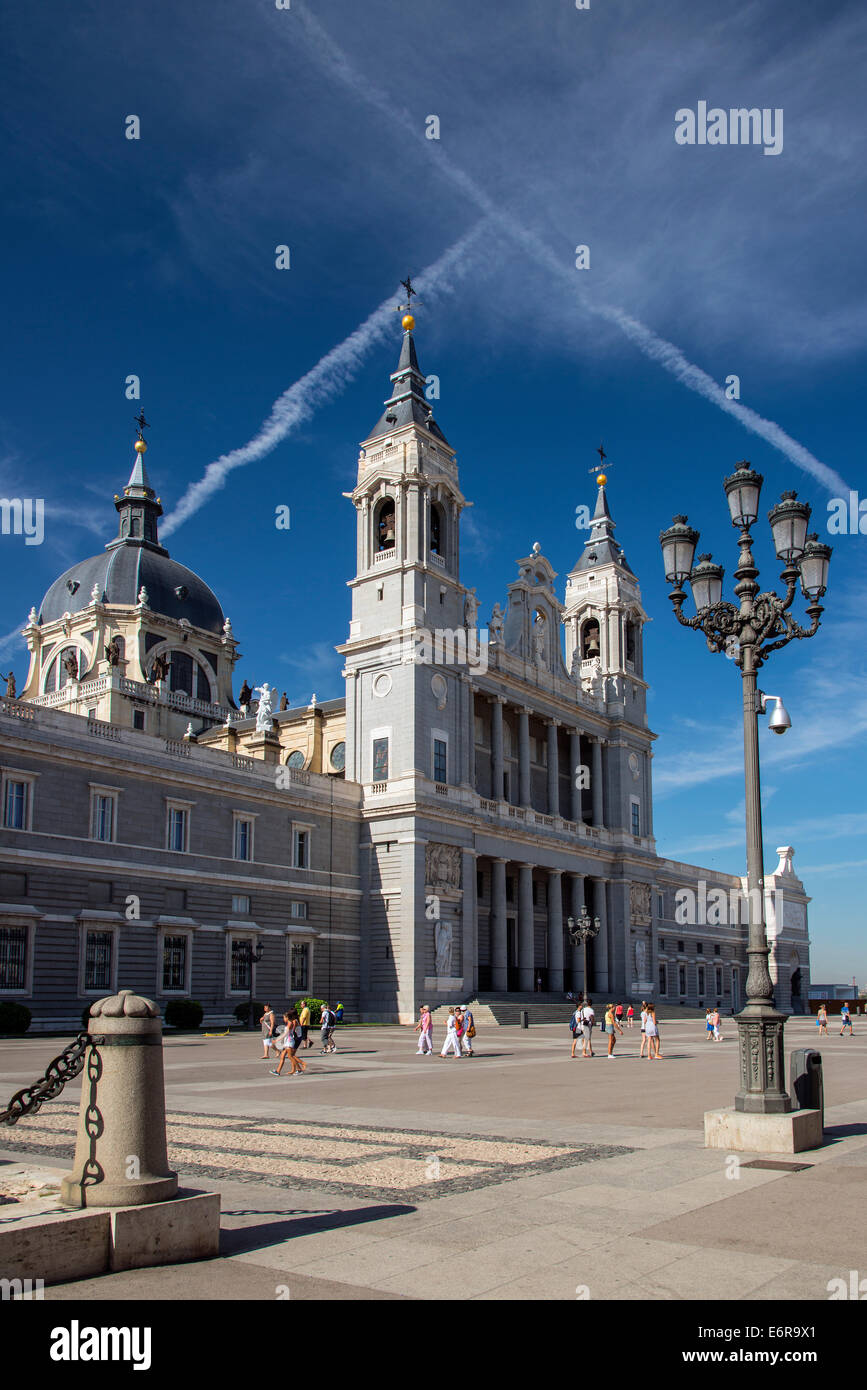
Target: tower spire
x=139 y=508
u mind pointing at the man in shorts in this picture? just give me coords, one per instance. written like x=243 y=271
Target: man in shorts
x=326 y=1026
x=304 y=1020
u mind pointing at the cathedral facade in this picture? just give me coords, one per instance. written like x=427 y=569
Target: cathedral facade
x=431 y=838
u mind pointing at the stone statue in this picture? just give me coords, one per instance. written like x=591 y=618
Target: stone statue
x=640 y=959
x=143 y=596
x=227 y=631
x=95 y=594
x=33 y=618
x=70 y=661
x=264 y=714
x=284 y=702
x=10 y=685
x=495 y=625
x=245 y=695
x=539 y=640
x=160 y=667
x=443 y=931
x=112 y=652
x=188 y=732
x=471 y=609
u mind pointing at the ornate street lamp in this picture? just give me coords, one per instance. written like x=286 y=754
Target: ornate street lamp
x=581 y=930
x=245 y=951
x=748 y=633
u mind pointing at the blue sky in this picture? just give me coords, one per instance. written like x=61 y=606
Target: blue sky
x=306 y=127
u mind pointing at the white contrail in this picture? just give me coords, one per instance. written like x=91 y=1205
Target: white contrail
x=12 y=640
x=323 y=381
x=669 y=357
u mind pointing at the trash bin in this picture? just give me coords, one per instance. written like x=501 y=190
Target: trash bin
x=806 y=1086
x=525 y=1018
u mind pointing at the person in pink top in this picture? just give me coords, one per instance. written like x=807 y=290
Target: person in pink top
x=630 y=1017
x=424 y=1028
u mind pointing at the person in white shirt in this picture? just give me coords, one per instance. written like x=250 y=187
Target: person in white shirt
x=588 y=1018
x=643 y=1028
x=452 y=1042
x=466 y=1040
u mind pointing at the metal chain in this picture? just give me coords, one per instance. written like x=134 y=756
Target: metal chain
x=62 y=1069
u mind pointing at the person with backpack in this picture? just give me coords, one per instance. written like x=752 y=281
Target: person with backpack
x=326 y=1027
x=469 y=1032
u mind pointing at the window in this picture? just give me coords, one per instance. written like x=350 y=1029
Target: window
x=243 y=838
x=241 y=965
x=16 y=805
x=138 y=719
x=440 y=772
x=299 y=966
x=380 y=760
x=178 y=826
x=717 y=950
x=436 y=529
x=699 y=948
x=13 y=958
x=103 y=813
x=661 y=944
x=680 y=948
x=91 y=713
x=241 y=905
x=718 y=981
x=384 y=525
x=174 y=963
x=301 y=849
x=98 y=947
x=298 y=910
x=663 y=980
x=701 y=982
x=636 y=817
x=681 y=979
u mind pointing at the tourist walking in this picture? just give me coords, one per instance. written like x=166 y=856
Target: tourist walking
x=452 y=1041
x=618 y=1016
x=469 y=1032
x=326 y=1029
x=846 y=1020
x=630 y=1017
x=288 y=1044
x=651 y=1033
x=575 y=1027
x=643 y=1027
x=304 y=1020
x=708 y=1025
x=716 y=1023
x=610 y=1025
x=268 y=1022
x=424 y=1028
x=588 y=1018
x=822 y=1021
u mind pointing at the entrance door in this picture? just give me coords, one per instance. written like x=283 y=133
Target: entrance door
x=512 y=976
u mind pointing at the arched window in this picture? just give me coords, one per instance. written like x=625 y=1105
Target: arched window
x=631 y=631
x=589 y=639
x=437 y=529
x=384 y=524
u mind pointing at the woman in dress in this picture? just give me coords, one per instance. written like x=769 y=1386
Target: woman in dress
x=651 y=1032
x=268 y=1023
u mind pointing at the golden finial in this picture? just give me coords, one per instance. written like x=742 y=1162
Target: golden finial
x=408 y=322
x=140 y=446
x=601 y=479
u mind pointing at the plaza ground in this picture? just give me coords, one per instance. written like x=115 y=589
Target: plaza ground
x=549 y=1176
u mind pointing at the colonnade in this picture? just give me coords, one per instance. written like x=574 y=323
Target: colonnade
x=564 y=967
x=498 y=763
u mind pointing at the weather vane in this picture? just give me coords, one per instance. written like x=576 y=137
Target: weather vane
x=601 y=478
x=142 y=423
x=408 y=309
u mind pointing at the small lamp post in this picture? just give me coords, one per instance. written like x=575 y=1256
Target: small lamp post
x=581 y=930
x=748 y=632
x=249 y=953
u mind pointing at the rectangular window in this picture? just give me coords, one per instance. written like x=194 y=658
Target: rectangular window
x=97 y=959
x=178 y=825
x=718 y=981
x=243 y=839
x=699 y=948
x=439 y=761
x=241 y=965
x=138 y=719
x=174 y=962
x=299 y=966
x=298 y=910
x=663 y=980
x=13 y=958
x=701 y=982
x=681 y=979
x=15 y=806
x=301 y=849
x=240 y=905
x=661 y=944
x=380 y=760
x=680 y=948
x=636 y=818
x=717 y=951
x=103 y=817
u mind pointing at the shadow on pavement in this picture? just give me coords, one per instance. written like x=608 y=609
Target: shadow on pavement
x=833 y=1132
x=275 y=1232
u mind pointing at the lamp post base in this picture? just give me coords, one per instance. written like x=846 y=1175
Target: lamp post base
x=762 y=1062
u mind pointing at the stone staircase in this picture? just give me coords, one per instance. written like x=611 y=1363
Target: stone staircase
x=501 y=1010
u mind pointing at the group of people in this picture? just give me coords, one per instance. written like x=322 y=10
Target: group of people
x=713 y=1025
x=460 y=1031
x=583 y=1021
x=294 y=1035
x=845 y=1020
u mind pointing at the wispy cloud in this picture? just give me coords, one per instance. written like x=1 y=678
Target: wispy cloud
x=12 y=641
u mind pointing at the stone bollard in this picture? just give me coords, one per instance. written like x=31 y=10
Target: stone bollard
x=120 y=1149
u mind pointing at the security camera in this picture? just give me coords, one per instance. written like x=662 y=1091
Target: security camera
x=780 y=720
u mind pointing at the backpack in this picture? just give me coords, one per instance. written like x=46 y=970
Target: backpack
x=327 y=1020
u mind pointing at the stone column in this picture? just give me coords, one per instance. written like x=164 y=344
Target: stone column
x=600 y=910
x=596 y=781
x=470 y=923
x=574 y=764
x=471 y=741
x=648 y=793
x=577 y=952
x=499 y=950
x=497 y=748
x=523 y=757
x=122 y=1116
x=526 y=950
x=553 y=769
x=555 y=929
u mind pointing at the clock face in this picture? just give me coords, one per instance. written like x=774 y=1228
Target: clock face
x=338 y=757
x=295 y=759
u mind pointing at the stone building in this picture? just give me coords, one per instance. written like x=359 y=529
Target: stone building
x=428 y=837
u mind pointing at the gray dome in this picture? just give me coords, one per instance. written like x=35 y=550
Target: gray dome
x=120 y=573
